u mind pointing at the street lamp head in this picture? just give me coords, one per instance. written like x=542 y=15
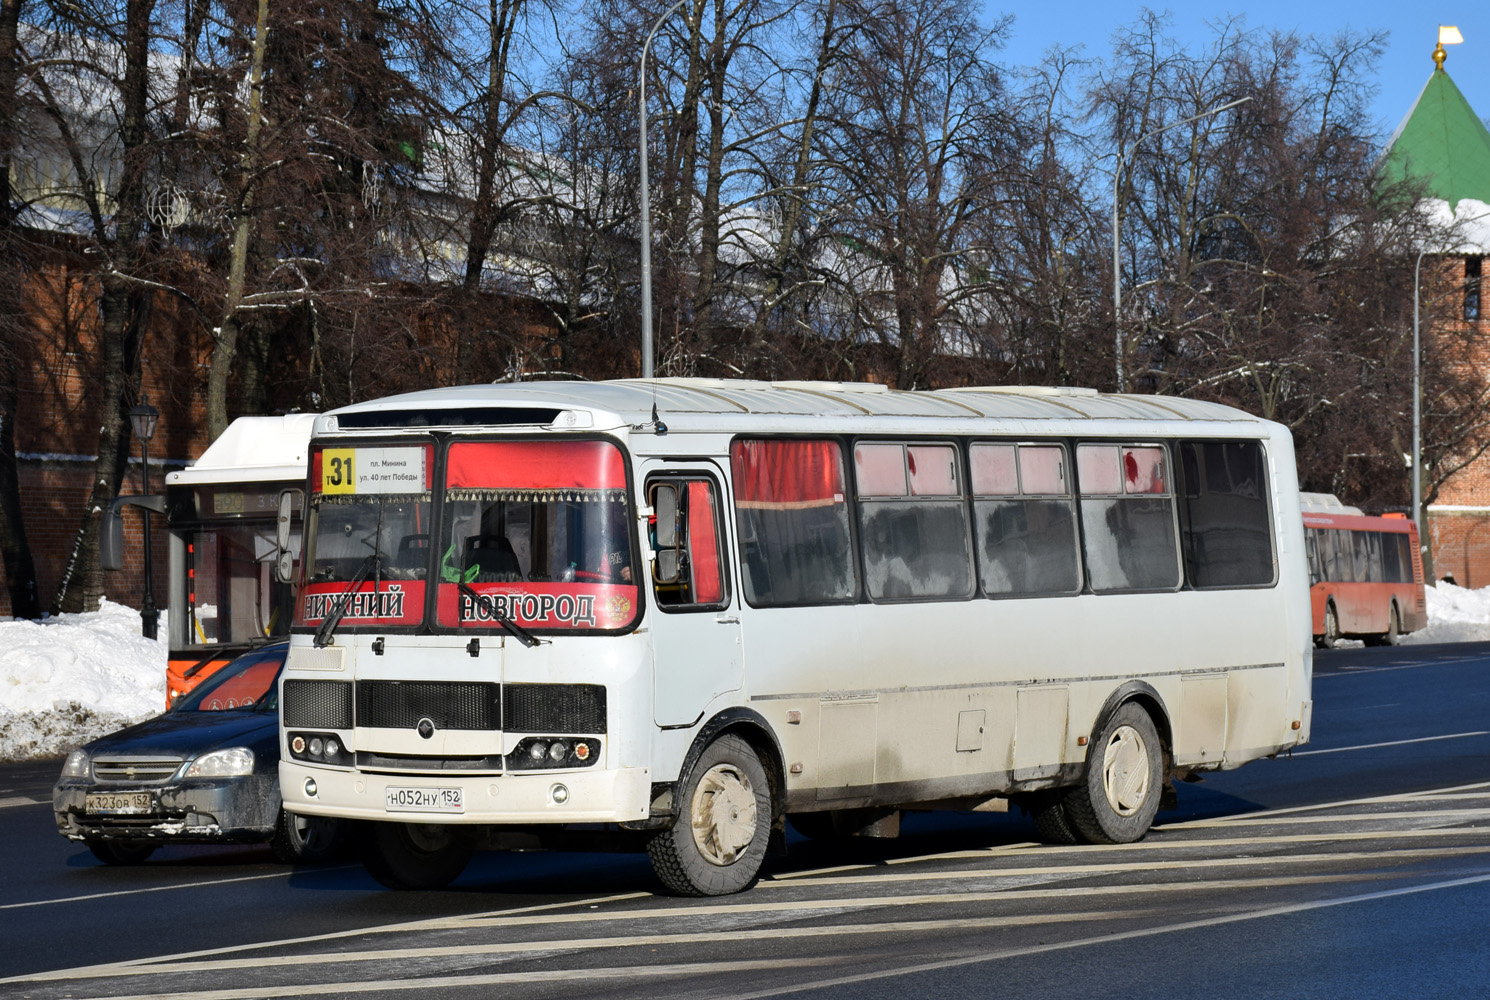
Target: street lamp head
x=143 y=418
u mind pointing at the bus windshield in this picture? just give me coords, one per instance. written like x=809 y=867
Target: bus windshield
x=541 y=529
x=367 y=536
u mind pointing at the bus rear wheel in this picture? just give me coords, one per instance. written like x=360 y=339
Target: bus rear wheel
x=414 y=855
x=718 y=842
x=1119 y=793
x=1331 y=628
x=1393 y=635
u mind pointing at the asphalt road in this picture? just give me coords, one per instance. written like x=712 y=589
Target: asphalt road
x=1359 y=867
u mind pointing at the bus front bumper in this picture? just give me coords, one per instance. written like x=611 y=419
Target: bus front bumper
x=529 y=797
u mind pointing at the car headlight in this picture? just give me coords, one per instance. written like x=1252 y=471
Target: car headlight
x=230 y=763
x=76 y=765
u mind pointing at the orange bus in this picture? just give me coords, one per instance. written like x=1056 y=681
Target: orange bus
x=1365 y=573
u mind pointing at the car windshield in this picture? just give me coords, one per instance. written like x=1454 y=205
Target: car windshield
x=247 y=684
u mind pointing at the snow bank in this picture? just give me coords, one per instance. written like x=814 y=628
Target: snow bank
x=72 y=678
x=1455 y=615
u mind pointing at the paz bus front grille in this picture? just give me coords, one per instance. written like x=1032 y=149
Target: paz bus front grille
x=558 y=709
x=317 y=705
x=449 y=705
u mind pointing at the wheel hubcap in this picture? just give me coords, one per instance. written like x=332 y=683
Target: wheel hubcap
x=1125 y=771
x=723 y=814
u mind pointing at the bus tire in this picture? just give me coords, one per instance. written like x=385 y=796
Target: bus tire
x=306 y=840
x=414 y=855
x=1119 y=793
x=121 y=852
x=718 y=842
x=1048 y=810
x=1331 y=627
x=1393 y=635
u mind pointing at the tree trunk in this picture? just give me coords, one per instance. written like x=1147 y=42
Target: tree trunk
x=225 y=338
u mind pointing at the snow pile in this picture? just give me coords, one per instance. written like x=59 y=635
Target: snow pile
x=73 y=678
x=1455 y=615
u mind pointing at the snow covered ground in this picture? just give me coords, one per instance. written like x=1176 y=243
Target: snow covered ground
x=69 y=679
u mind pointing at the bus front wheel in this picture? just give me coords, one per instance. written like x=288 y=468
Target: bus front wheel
x=1119 y=794
x=718 y=842
x=414 y=855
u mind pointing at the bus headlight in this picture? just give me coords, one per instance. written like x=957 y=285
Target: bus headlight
x=533 y=753
x=230 y=763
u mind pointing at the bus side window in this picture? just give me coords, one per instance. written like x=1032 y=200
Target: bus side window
x=1127 y=517
x=1224 y=527
x=913 y=522
x=699 y=582
x=1025 y=519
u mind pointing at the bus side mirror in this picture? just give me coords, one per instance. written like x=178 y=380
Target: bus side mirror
x=665 y=502
x=284 y=558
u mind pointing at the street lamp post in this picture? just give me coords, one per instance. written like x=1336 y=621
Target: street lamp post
x=142 y=420
x=1117 y=180
x=646 y=203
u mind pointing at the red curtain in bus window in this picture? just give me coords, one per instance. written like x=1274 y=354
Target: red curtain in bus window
x=535 y=465
x=787 y=474
x=703 y=544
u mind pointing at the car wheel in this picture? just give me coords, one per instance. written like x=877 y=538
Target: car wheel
x=306 y=840
x=1119 y=793
x=718 y=843
x=121 y=852
x=415 y=855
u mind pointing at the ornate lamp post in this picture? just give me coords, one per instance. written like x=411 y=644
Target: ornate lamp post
x=142 y=420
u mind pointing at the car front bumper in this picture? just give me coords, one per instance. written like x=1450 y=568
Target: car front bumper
x=212 y=810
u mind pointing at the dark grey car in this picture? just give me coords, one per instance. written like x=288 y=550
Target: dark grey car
x=207 y=771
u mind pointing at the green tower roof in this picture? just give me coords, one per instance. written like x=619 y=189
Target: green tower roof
x=1443 y=142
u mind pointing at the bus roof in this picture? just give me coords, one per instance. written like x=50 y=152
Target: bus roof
x=718 y=404
x=253 y=449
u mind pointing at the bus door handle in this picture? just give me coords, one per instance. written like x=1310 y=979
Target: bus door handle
x=727 y=619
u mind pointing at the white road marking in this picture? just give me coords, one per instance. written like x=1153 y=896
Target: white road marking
x=495 y=979
x=153 y=888
x=21 y=801
x=697 y=913
x=1189 y=925
x=634 y=941
x=1434 y=814
x=1393 y=743
x=1400 y=797
x=1117 y=868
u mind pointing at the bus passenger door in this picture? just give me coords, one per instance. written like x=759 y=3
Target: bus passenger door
x=694 y=621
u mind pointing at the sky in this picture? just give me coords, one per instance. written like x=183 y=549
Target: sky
x=1402 y=71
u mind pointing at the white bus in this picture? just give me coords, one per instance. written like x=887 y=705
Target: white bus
x=681 y=611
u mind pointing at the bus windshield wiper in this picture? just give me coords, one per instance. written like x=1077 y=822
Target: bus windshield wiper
x=343 y=601
x=519 y=633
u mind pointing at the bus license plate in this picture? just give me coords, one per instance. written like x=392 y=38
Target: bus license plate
x=116 y=803
x=440 y=800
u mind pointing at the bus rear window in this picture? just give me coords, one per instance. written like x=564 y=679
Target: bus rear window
x=538 y=532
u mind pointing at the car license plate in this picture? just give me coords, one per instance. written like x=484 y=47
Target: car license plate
x=116 y=803
x=440 y=800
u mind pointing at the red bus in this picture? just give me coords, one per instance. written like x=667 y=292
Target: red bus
x=1365 y=574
